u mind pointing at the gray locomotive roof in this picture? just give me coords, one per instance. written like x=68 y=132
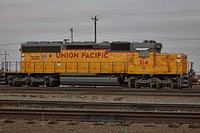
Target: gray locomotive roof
x=57 y=43
x=120 y=42
x=32 y=44
x=145 y=44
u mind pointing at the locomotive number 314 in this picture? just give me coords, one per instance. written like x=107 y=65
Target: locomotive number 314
x=143 y=62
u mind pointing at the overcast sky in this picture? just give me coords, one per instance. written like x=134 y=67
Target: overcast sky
x=174 y=23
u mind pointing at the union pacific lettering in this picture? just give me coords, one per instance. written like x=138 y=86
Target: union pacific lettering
x=82 y=55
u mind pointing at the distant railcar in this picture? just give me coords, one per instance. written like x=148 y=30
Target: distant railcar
x=88 y=63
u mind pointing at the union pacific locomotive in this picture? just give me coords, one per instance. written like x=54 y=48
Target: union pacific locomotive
x=130 y=64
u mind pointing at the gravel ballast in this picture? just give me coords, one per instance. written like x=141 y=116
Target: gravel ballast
x=34 y=126
x=101 y=98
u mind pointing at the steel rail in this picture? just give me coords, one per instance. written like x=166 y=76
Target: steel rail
x=87 y=115
x=98 y=105
x=105 y=88
x=117 y=91
x=102 y=92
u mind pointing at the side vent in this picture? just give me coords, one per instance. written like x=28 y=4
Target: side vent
x=120 y=46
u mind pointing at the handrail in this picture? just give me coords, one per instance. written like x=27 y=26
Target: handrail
x=65 y=67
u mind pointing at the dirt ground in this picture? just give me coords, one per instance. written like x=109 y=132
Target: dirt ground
x=34 y=126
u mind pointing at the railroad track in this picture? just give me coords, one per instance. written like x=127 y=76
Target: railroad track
x=87 y=115
x=100 y=88
x=84 y=111
x=99 y=105
x=101 y=91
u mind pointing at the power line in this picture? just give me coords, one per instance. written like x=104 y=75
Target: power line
x=16 y=43
x=52 y=35
x=8 y=44
x=155 y=37
x=164 y=14
x=73 y=35
x=115 y=35
x=40 y=20
x=154 y=15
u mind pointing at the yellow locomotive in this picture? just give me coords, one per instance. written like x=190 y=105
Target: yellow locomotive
x=87 y=63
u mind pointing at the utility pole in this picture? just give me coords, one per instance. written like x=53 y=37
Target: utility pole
x=95 y=27
x=71 y=34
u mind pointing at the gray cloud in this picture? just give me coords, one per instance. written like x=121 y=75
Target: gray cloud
x=127 y=20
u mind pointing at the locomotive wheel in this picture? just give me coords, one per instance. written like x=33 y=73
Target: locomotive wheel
x=174 y=85
x=54 y=84
x=48 y=85
x=17 y=85
x=190 y=85
x=158 y=86
x=35 y=85
x=11 y=84
x=171 y=85
x=179 y=86
x=131 y=85
x=153 y=85
x=137 y=86
x=29 y=85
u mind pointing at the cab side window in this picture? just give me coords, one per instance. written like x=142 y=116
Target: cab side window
x=143 y=53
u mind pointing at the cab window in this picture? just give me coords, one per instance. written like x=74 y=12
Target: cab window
x=143 y=53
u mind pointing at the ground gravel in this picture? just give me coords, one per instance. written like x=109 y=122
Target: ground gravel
x=34 y=126
x=102 y=98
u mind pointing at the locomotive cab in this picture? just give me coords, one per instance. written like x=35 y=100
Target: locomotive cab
x=150 y=67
